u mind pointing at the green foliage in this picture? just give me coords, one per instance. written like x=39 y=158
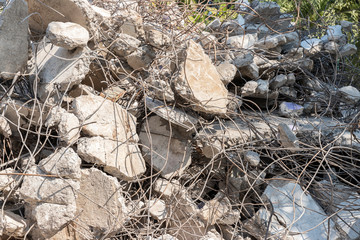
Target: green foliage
x=206 y=11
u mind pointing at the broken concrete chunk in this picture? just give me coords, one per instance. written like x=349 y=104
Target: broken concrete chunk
x=342 y=201
x=51 y=218
x=130 y=22
x=13 y=38
x=215 y=209
x=249 y=88
x=141 y=58
x=242 y=41
x=288 y=92
x=287 y=137
x=102 y=117
x=215 y=24
x=296 y=211
x=252 y=157
x=166 y=147
x=47 y=11
x=290 y=109
x=166 y=188
x=98 y=189
x=203 y=89
x=346 y=25
x=60 y=69
x=119 y=159
x=8 y=181
x=42 y=189
x=227 y=72
x=5 y=129
x=68 y=124
x=312 y=46
x=334 y=33
x=243 y=59
x=251 y=71
x=125 y=45
x=350 y=93
x=12 y=224
x=279 y=81
x=172 y=114
x=67 y=35
x=157 y=209
x=156 y=38
x=271 y=41
x=332 y=47
x=216 y=137
x=64 y=163
x=348 y=49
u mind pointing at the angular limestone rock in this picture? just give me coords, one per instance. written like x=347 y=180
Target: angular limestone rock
x=168 y=151
x=13 y=38
x=47 y=11
x=202 y=88
x=60 y=69
x=104 y=118
x=290 y=109
x=100 y=206
x=67 y=35
x=64 y=162
x=41 y=189
x=122 y=160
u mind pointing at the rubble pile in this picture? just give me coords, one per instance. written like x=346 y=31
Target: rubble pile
x=121 y=120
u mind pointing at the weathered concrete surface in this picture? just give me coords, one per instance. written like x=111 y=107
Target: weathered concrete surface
x=67 y=123
x=298 y=211
x=13 y=38
x=12 y=224
x=342 y=203
x=100 y=205
x=76 y=11
x=122 y=160
x=67 y=35
x=51 y=218
x=64 y=163
x=166 y=147
x=172 y=114
x=203 y=89
x=60 y=69
x=41 y=189
x=104 y=118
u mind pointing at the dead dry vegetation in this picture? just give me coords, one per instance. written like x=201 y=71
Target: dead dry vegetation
x=128 y=120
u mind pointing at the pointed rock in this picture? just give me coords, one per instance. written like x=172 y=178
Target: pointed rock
x=199 y=82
